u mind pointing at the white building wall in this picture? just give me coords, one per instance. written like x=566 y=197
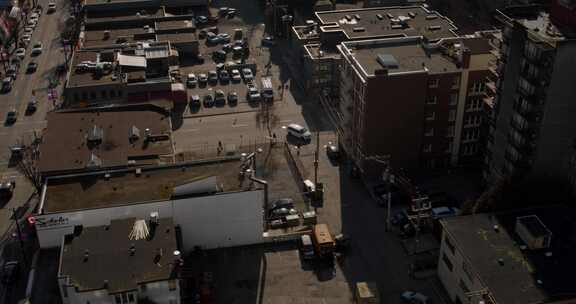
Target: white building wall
x=222 y=220
x=228 y=220
x=451 y=278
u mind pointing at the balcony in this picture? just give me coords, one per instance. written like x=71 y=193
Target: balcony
x=529 y=110
x=523 y=145
x=492 y=88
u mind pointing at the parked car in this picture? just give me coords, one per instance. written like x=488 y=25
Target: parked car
x=280 y=212
x=236 y=75
x=10 y=272
x=299 y=132
x=20 y=53
x=202 y=78
x=37 y=49
x=191 y=80
x=212 y=38
x=32 y=106
x=332 y=151
x=219 y=97
x=253 y=94
x=32 y=67
x=227 y=47
x=194 y=101
x=201 y=19
x=281 y=203
x=224 y=76
x=223 y=38
x=219 y=55
x=7 y=84
x=26 y=38
x=414 y=297
x=223 y=11
x=268 y=41
x=442 y=212
x=11 y=116
x=231 y=13
x=212 y=76
x=51 y=7
x=232 y=98
x=208 y=100
x=247 y=73
x=7 y=187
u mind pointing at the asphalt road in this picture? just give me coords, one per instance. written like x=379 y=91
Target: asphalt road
x=25 y=85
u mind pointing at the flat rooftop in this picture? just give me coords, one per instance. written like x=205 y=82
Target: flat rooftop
x=125 y=14
x=405 y=54
x=105 y=257
x=370 y=23
x=537 y=22
x=316 y=51
x=127 y=187
x=509 y=282
x=68 y=134
x=108 y=38
x=174 y=24
x=89 y=78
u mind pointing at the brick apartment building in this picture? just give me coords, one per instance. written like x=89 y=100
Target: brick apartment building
x=532 y=126
x=315 y=43
x=408 y=103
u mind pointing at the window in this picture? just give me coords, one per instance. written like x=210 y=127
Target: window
x=104 y=94
x=464 y=287
x=76 y=97
x=118 y=299
x=120 y=93
x=427 y=148
x=125 y=298
x=172 y=285
x=112 y=93
x=429 y=132
x=430 y=115
x=92 y=95
x=478 y=87
x=131 y=298
x=64 y=291
x=449 y=146
x=433 y=83
x=432 y=100
x=453 y=99
x=84 y=95
x=447 y=262
x=143 y=287
x=449 y=244
x=452 y=115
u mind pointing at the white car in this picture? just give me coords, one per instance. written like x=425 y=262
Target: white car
x=26 y=38
x=51 y=7
x=21 y=53
x=236 y=75
x=37 y=48
x=298 y=131
x=32 y=22
x=247 y=73
x=202 y=78
x=253 y=94
x=191 y=80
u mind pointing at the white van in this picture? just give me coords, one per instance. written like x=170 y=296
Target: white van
x=299 y=131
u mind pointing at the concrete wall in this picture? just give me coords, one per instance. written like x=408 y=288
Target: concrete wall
x=222 y=220
x=451 y=278
x=558 y=130
x=158 y=292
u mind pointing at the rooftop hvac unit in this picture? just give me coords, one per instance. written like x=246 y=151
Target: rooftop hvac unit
x=533 y=232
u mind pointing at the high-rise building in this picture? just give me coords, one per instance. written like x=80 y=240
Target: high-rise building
x=532 y=129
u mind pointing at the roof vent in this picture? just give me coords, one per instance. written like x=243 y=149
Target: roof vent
x=380 y=17
x=358 y=29
x=412 y=15
x=94 y=161
x=431 y=17
x=434 y=28
x=132 y=249
x=86 y=255
x=496 y=228
x=390 y=16
x=138 y=171
x=387 y=61
x=357 y=17
x=134 y=133
x=95 y=134
x=501 y=262
x=348 y=17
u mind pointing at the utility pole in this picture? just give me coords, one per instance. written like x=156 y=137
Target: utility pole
x=19 y=233
x=316 y=155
